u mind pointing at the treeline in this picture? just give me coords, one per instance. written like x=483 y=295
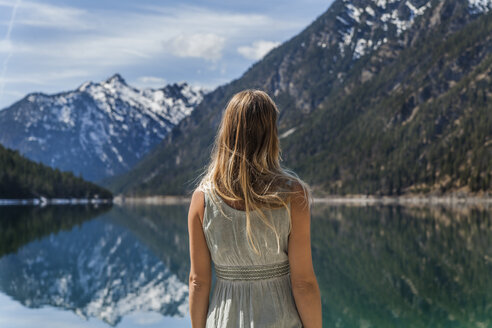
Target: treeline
x=22 y=178
x=21 y=225
x=429 y=134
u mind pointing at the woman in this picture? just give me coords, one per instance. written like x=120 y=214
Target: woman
x=252 y=218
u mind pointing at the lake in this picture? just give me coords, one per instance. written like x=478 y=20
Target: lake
x=127 y=266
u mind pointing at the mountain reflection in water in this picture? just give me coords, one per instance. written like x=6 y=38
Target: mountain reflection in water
x=377 y=266
x=97 y=266
x=393 y=266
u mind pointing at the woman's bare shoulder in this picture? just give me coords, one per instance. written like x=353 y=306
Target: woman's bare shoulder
x=299 y=194
x=197 y=205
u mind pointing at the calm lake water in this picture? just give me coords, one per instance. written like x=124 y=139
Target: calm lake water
x=377 y=266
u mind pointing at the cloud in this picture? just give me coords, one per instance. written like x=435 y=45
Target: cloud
x=49 y=16
x=43 y=77
x=257 y=50
x=6 y=46
x=86 y=42
x=208 y=46
x=94 y=39
x=151 y=82
x=7 y=42
x=98 y=40
x=13 y=93
x=143 y=319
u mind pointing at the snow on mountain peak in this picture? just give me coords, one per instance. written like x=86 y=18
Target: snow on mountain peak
x=115 y=79
x=479 y=6
x=359 y=22
x=99 y=129
x=85 y=85
x=359 y=26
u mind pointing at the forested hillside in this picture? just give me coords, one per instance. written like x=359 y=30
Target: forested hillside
x=387 y=97
x=21 y=178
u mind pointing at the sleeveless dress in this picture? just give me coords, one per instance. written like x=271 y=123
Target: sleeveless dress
x=251 y=290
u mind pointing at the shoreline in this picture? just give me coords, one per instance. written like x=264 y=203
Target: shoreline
x=333 y=200
x=405 y=200
x=53 y=201
x=152 y=200
x=356 y=200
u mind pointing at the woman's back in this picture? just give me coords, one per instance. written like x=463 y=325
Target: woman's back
x=251 y=290
x=261 y=265
x=227 y=239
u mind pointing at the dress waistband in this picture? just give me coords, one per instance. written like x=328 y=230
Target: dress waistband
x=253 y=272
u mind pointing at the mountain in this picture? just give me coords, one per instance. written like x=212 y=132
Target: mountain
x=22 y=178
x=97 y=130
x=376 y=97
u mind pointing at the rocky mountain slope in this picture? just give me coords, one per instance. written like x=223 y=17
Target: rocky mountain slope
x=97 y=130
x=376 y=97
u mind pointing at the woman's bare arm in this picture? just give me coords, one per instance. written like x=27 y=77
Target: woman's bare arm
x=200 y=272
x=304 y=284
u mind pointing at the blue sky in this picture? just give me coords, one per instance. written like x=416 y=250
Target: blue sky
x=52 y=46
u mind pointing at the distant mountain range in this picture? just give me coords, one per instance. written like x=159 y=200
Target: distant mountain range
x=376 y=97
x=97 y=130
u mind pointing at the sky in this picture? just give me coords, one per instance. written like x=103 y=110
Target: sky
x=52 y=46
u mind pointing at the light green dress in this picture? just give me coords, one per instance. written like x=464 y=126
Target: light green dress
x=251 y=290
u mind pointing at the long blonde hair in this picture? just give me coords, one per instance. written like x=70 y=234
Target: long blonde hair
x=245 y=160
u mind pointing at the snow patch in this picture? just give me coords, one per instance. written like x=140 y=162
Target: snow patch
x=383 y=3
x=370 y=11
x=479 y=6
x=353 y=12
x=287 y=133
x=357 y=34
x=361 y=47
